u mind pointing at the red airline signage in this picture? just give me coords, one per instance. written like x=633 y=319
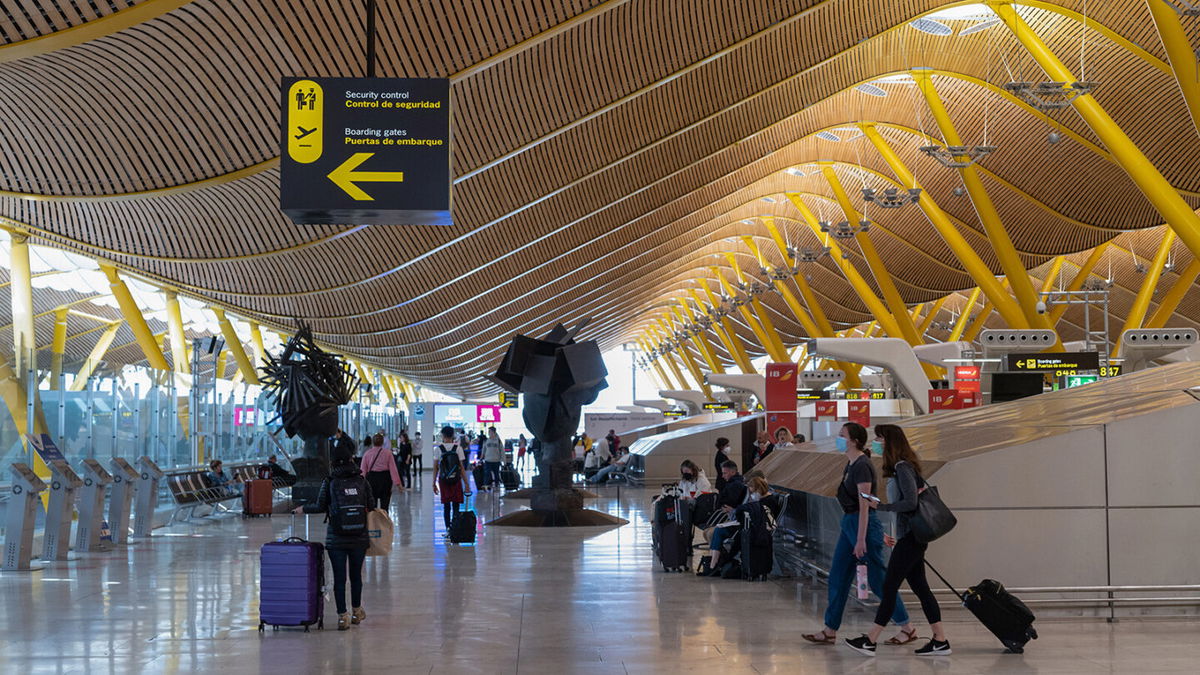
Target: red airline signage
x=945 y=399
x=781 y=395
x=826 y=411
x=859 y=411
x=966 y=378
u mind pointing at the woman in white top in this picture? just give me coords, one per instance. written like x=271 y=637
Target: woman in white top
x=692 y=481
x=783 y=439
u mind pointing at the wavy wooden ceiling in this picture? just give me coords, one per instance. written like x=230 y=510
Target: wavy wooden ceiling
x=604 y=152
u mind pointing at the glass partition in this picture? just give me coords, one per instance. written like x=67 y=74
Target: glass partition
x=131 y=411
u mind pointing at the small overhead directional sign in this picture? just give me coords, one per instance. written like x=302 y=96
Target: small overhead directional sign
x=365 y=151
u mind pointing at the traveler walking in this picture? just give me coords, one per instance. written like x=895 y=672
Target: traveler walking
x=346 y=496
x=404 y=459
x=860 y=537
x=521 y=447
x=907 y=563
x=379 y=467
x=493 y=455
x=417 y=463
x=449 y=469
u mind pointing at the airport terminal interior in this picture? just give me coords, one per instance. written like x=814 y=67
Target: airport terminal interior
x=663 y=335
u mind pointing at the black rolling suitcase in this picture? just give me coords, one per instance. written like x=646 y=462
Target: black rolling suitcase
x=757 y=550
x=999 y=611
x=480 y=477
x=672 y=527
x=510 y=477
x=462 y=528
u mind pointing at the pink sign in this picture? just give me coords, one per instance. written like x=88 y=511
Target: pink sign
x=487 y=414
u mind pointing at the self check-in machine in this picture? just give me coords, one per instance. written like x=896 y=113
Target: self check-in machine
x=147 y=497
x=121 y=501
x=56 y=542
x=91 y=508
x=22 y=514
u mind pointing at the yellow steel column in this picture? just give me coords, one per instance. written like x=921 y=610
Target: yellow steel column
x=933 y=312
x=971 y=262
x=733 y=341
x=685 y=314
x=1165 y=198
x=1052 y=273
x=891 y=295
x=1171 y=300
x=222 y=364
x=689 y=361
x=777 y=350
x=387 y=387
x=176 y=335
x=137 y=322
x=1006 y=252
x=21 y=288
x=663 y=382
x=95 y=357
x=979 y=323
x=669 y=357
x=1179 y=50
x=1076 y=284
x=58 y=347
x=256 y=339
x=793 y=303
x=233 y=344
x=964 y=316
x=748 y=317
x=1141 y=303
x=873 y=303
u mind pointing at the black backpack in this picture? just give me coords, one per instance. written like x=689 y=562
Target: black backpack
x=449 y=468
x=348 y=506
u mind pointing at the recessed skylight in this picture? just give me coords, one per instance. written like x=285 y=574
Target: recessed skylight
x=828 y=136
x=769 y=200
x=871 y=90
x=975 y=11
x=979 y=27
x=794 y=171
x=926 y=25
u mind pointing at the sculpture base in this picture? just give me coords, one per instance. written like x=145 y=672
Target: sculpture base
x=310 y=473
x=528 y=493
x=557 y=508
x=558 y=518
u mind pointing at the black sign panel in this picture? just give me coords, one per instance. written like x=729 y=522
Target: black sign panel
x=1064 y=363
x=718 y=406
x=810 y=395
x=365 y=151
x=509 y=400
x=674 y=413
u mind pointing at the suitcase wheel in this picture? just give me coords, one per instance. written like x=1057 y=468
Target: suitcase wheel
x=1032 y=633
x=261 y=626
x=321 y=623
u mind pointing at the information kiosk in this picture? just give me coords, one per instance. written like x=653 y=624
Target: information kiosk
x=22 y=514
x=147 y=497
x=56 y=542
x=121 y=502
x=91 y=508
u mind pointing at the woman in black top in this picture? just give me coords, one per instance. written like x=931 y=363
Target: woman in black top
x=723 y=454
x=900 y=463
x=404 y=459
x=347 y=552
x=860 y=537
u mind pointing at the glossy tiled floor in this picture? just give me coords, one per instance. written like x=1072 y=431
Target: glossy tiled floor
x=527 y=601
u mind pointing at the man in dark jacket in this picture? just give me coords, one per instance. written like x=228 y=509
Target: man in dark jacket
x=279 y=475
x=734 y=492
x=341 y=443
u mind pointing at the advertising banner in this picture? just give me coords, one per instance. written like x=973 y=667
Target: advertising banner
x=487 y=414
x=859 y=411
x=945 y=399
x=781 y=395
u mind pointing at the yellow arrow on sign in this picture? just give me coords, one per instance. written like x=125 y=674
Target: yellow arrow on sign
x=345 y=176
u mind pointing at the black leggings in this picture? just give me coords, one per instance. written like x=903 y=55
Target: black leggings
x=417 y=466
x=907 y=564
x=449 y=510
x=381 y=488
x=402 y=468
x=339 y=557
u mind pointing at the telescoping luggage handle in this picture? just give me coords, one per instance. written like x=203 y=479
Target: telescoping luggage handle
x=939 y=575
x=292 y=531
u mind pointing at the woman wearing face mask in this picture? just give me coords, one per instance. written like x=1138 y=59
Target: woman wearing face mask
x=860 y=536
x=907 y=563
x=692 y=481
x=723 y=454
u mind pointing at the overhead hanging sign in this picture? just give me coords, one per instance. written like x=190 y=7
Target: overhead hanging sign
x=718 y=406
x=509 y=400
x=365 y=150
x=1064 y=363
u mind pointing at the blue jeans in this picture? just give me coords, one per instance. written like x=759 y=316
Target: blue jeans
x=842 y=570
x=491 y=472
x=603 y=474
x=719 y=535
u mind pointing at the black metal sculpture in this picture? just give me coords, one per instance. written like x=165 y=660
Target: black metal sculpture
x=558 y=376
x=307 y=385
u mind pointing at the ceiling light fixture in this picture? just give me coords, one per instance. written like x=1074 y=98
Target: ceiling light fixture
x=1187 y=8
x=958 y=156
x=1050 y=96
x=872 y=90
x=892 y=198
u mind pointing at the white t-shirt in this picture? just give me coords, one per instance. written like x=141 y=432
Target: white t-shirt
x=416 y=446
x=444 y=446
x=698 y=486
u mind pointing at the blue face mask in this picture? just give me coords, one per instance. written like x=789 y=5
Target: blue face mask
x=841 y=444
x=877 y=448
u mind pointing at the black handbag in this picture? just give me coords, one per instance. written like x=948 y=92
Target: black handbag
x=933 y=519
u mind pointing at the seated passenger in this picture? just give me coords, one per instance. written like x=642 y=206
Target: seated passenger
x=219 y=480
x=617 y=467
x=278 y=474
x=710 y=566
x=783 y=439
x=692 y=481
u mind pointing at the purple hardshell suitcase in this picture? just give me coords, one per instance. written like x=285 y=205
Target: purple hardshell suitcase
x=291 y=584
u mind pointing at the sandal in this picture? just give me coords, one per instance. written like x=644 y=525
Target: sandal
x=897 y=641
x=821 y=638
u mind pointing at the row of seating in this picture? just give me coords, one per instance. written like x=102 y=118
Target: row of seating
x=191 y=488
